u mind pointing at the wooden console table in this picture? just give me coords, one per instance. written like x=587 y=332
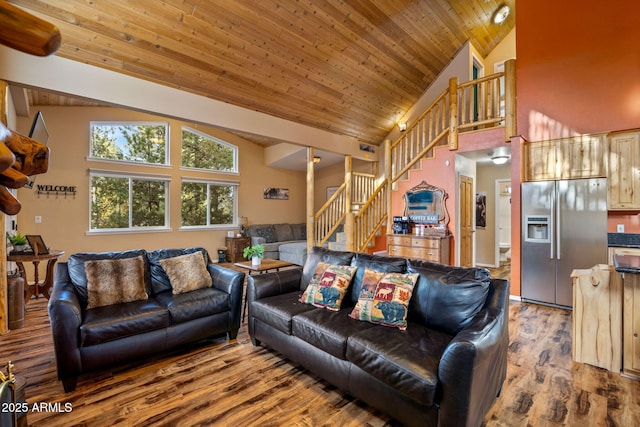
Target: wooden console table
x=37 y=287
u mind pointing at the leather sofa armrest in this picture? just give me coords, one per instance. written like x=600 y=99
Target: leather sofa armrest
x=65 y=315
x=271 y=284
x=231 y=282
x=473 y=366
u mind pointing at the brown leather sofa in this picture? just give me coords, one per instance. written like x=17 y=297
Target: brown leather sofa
x=445 y=369
x=90 y=339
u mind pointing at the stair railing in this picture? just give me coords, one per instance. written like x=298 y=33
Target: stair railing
x=368 y=220
x=362 y=187
x=481 y=103
x=330 y=216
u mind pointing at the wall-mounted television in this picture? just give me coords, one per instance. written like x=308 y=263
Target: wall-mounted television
x=40 y=133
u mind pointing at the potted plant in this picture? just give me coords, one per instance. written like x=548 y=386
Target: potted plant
x=18 y=241
x=255 y=253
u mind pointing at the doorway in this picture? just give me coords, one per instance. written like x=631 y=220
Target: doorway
x=503 y=222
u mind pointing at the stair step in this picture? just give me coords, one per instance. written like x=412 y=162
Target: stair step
x=337 y=246
x=341 y=237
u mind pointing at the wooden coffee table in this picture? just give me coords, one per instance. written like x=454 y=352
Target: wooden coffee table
x=266 y=265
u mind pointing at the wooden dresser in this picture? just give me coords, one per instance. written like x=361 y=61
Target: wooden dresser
x=428 y=248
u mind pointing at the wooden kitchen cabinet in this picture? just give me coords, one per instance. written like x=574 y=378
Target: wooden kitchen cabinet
x=624 y=171
x=631 y=325
x=573 y=157
x=428 y=248
x=540 y=161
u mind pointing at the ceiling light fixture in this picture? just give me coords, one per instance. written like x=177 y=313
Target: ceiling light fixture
x=316 y=159
x=500 y=160
x=501 y=15
x=402 y=126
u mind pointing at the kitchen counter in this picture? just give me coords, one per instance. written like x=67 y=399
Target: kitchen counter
x=624 y=240
x=627 y=263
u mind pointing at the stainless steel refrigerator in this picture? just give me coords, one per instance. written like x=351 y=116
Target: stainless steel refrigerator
x=564 y=227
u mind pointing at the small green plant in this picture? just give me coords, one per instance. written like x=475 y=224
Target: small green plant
x=255 y=250
x=17 y=239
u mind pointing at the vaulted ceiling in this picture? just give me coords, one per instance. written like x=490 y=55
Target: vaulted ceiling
x=351 y=67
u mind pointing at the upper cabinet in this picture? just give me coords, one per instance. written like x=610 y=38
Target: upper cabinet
x=579 y=156
x=624 y=171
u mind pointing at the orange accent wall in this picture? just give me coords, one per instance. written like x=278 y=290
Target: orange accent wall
x=578 y=67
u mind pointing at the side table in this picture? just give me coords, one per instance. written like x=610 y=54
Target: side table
x=235 y=246
x=37 y=287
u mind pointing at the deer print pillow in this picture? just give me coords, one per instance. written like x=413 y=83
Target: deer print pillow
x=328 y=286
x=386 y=301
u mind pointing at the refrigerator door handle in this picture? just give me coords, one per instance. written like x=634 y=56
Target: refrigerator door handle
x=557 y=226
x=552 y=228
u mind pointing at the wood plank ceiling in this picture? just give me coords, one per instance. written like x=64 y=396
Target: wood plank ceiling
x=351 y=67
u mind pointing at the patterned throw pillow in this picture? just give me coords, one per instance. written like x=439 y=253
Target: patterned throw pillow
x=387 y=302
x=115 y=281
x=328 y=286
x=187 y=272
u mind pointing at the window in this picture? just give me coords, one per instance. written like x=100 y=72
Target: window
x=125 y=202
x=208 y=203
x=201 y=151
x=130 y=142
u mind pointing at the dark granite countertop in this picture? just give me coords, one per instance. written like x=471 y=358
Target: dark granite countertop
x=627 y=263
x=624 y=240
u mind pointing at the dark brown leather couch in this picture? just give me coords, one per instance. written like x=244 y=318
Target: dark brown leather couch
x=445 y=369
x=90 y=339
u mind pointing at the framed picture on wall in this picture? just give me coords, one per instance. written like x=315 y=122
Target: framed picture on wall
x=481 y=210
x=276 y=193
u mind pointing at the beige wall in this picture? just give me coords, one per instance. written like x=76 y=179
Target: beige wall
x=65 y=221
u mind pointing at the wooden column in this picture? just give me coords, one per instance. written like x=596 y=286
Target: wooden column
x=4 y=309
x=510 y=128
x=453 y=113
x=388 y=171
x=348 y=223
x=311 y=238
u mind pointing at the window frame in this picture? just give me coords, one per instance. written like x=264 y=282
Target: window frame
x=233 y=147
x=115 y=123
x=130 y=176
x=209 y=182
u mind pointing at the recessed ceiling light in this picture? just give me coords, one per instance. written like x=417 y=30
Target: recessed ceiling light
x=501 y=14
x=500 y=160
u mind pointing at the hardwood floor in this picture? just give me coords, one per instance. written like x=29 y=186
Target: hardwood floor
x=234 y=383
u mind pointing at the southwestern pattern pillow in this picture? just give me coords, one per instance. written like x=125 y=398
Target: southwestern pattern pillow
x=328 y=286
x=388 y=303
x=187 y=272
x=115 y=281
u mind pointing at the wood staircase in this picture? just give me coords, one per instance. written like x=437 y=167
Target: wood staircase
x=362 y=208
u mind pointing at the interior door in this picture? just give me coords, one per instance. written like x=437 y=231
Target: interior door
x=467 y=211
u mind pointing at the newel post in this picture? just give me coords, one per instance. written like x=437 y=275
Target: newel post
x=510 y=99
x=349 y=220
x=453 y=113
x=311 y=238
x=388 y=172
